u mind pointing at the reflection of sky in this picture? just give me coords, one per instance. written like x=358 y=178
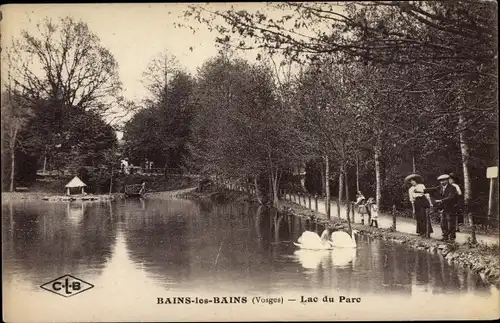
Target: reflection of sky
x=170 y=248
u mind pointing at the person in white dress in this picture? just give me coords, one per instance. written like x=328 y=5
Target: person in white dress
x=420 y=202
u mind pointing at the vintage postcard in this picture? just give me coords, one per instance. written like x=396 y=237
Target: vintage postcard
x=279 y=161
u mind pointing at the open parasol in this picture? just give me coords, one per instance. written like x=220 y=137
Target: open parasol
x=413 y=176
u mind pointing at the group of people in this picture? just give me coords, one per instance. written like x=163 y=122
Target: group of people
x=445 y=198
x=367 y=208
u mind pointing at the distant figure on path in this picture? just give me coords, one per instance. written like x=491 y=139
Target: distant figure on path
x=360 y=205
x=420 y=202
x=143 y=188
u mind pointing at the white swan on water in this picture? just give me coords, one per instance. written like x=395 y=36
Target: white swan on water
x=343 y=239
x=311 y=240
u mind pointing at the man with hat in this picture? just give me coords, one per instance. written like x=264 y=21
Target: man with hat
x=446 y=200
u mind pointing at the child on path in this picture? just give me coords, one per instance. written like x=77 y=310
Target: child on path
x=372 y=206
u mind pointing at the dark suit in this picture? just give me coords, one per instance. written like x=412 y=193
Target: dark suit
x=448 y=205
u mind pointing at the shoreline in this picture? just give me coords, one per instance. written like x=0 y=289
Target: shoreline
x=50 y=196
x=481 y=259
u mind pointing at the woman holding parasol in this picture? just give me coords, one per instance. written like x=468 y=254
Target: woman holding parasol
x=419 y=202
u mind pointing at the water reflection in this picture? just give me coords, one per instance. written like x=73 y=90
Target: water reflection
x=192 y=246
x=48 y=239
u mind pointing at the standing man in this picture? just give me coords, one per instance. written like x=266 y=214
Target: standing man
x=446 y=201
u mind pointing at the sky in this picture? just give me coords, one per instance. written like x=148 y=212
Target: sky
x=134 y=33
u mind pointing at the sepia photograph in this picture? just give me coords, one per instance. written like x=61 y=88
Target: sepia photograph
x=260 y=161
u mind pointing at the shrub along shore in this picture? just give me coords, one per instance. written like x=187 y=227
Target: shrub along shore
x=481 y=259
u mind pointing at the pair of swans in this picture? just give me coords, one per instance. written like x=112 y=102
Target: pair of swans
x=311 y=240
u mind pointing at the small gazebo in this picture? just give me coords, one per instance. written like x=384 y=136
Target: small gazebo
x=75 y=183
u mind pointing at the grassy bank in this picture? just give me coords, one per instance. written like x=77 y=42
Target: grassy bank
x=481 y=259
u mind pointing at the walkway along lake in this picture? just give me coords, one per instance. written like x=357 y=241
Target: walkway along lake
x=136 y=251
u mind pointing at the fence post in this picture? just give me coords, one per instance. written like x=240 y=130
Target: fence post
x=473 y=233
x=427 y=222
x=316 y=202
x=349 y=220
x=394 y=217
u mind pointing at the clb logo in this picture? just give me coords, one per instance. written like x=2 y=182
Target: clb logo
x=67 y=286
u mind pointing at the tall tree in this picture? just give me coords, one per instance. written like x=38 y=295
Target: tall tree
x=65 y=62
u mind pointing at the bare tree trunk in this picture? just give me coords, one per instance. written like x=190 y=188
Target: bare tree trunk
x=270 y=184
x=13 y=156
x=45 y=162
x=348 y=216
x=274 y=179
x=327 y=187
x=341 y=188
x=323 y=184
x=378 y=178
x=357 y=173
x=257 y=193
x=464 y=148
x=111 y=181
x=346 y=191
x=12 y=165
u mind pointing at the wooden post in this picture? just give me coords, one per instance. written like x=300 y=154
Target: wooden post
x=394 y=217
x=316 y=202
x=473 y=233
x=490 y=200
x=347 y=211
x=427 y=220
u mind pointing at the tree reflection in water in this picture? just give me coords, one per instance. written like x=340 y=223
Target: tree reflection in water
x=50 y=239
x=233 y=246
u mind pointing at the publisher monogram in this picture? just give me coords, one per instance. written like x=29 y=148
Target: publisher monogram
x=67 y=286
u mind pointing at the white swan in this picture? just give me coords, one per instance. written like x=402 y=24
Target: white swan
x=311 y=240
x=343 y=239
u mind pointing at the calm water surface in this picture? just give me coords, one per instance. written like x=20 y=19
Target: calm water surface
x=136 y=251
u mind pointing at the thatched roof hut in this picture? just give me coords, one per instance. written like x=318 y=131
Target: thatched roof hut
x=75 y=183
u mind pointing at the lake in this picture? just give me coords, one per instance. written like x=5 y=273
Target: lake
x=139 y=253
